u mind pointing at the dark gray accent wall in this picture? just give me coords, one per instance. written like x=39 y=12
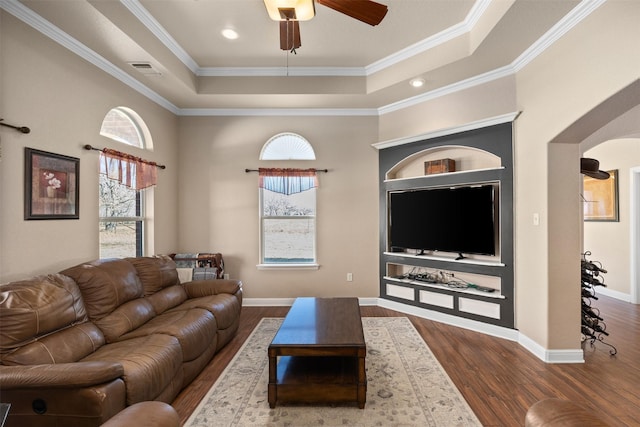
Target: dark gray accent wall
x=498 y=140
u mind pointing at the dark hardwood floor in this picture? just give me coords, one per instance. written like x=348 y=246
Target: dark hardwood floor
x=499 y=378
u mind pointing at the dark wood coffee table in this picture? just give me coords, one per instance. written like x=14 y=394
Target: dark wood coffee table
x=318 y=354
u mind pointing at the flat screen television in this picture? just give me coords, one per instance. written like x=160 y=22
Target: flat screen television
x=459 y=220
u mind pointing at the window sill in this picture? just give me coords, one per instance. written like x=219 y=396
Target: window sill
x=288 y=266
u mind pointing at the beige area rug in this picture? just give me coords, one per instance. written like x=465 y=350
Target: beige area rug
x=406 y=386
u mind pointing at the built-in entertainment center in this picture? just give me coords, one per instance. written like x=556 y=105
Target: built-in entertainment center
x=446 y=239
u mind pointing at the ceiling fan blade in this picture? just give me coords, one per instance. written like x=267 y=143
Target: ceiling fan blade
x=290 y=35
x=366 y=11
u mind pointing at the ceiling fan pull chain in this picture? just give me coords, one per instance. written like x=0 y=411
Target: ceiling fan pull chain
x=293 y=38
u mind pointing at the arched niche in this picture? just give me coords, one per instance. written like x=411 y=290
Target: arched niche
x=466 y=159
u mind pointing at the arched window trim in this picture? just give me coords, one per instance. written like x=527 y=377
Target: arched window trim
x=287 y=146
x=143 y=136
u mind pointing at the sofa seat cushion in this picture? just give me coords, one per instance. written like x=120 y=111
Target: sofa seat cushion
x=224 y=307
x=194 y=329
x=126 y=318
x=150 y=364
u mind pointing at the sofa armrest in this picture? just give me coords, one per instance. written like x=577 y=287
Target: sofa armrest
x=203 y=288
x=62 y=375
x=146 y=414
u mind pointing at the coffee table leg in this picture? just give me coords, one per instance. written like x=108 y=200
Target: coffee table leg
x=362 y=382
x=272 y=391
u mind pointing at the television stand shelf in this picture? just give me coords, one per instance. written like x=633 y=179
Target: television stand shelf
x=471 y=291
x=473 y=261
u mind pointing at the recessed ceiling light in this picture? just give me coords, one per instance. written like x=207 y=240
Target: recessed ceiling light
x=419 y=82
x=230 y=34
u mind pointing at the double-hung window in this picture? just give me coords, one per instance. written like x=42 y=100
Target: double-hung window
x=288 y=205
x=123 y=220
x=288 y=224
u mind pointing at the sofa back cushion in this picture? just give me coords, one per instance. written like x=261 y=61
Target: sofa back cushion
x=113 y=295
x=106 y=285
x=155 y=273
x=160 y=281
x=37 y=307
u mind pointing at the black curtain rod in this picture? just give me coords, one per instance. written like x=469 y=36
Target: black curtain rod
x=90 y=147
x=22 y=129
x=257 y=170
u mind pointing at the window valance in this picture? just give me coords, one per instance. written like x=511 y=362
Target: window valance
x=129 y=170
x=287 y=181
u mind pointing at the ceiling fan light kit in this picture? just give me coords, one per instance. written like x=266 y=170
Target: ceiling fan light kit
x=290 y=12
x=285 y=10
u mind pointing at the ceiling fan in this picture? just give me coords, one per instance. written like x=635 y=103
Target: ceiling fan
x=291 y=12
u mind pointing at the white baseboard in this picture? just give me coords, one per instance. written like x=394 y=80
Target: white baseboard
x=267 y=302
x=460 y=322
x=551 y=356
x=547 y=356
x=287 y=302
x=613 y=294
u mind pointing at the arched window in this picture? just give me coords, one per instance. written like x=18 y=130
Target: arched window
x=287 y=146
x=124 y=229
x=287 y=205
x=124 y=125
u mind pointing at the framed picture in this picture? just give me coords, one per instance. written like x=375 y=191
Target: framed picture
x=601 y=198
x=51 y=188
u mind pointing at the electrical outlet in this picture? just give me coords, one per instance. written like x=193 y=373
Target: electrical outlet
x=226 y=276
x=349 y=277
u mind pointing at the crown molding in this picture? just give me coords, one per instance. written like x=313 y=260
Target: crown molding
x=281 y=71
x=325 y=112
x=574 y=17
x=143 y=15
x=17 y=9
x=563 y=26
x=479 y=124
x=40 y=24
x=447 y=90
x=478 y=8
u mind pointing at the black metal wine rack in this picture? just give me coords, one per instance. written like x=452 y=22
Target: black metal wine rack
x=593 y=326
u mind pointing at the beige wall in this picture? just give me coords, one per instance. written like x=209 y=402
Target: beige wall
x=609 y=242
x=568 y=80
x=63 y=99
x=219 y=201
x=465 y=106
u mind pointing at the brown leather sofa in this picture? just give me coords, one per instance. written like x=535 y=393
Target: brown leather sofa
x=79 y=346
x=145 y=414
